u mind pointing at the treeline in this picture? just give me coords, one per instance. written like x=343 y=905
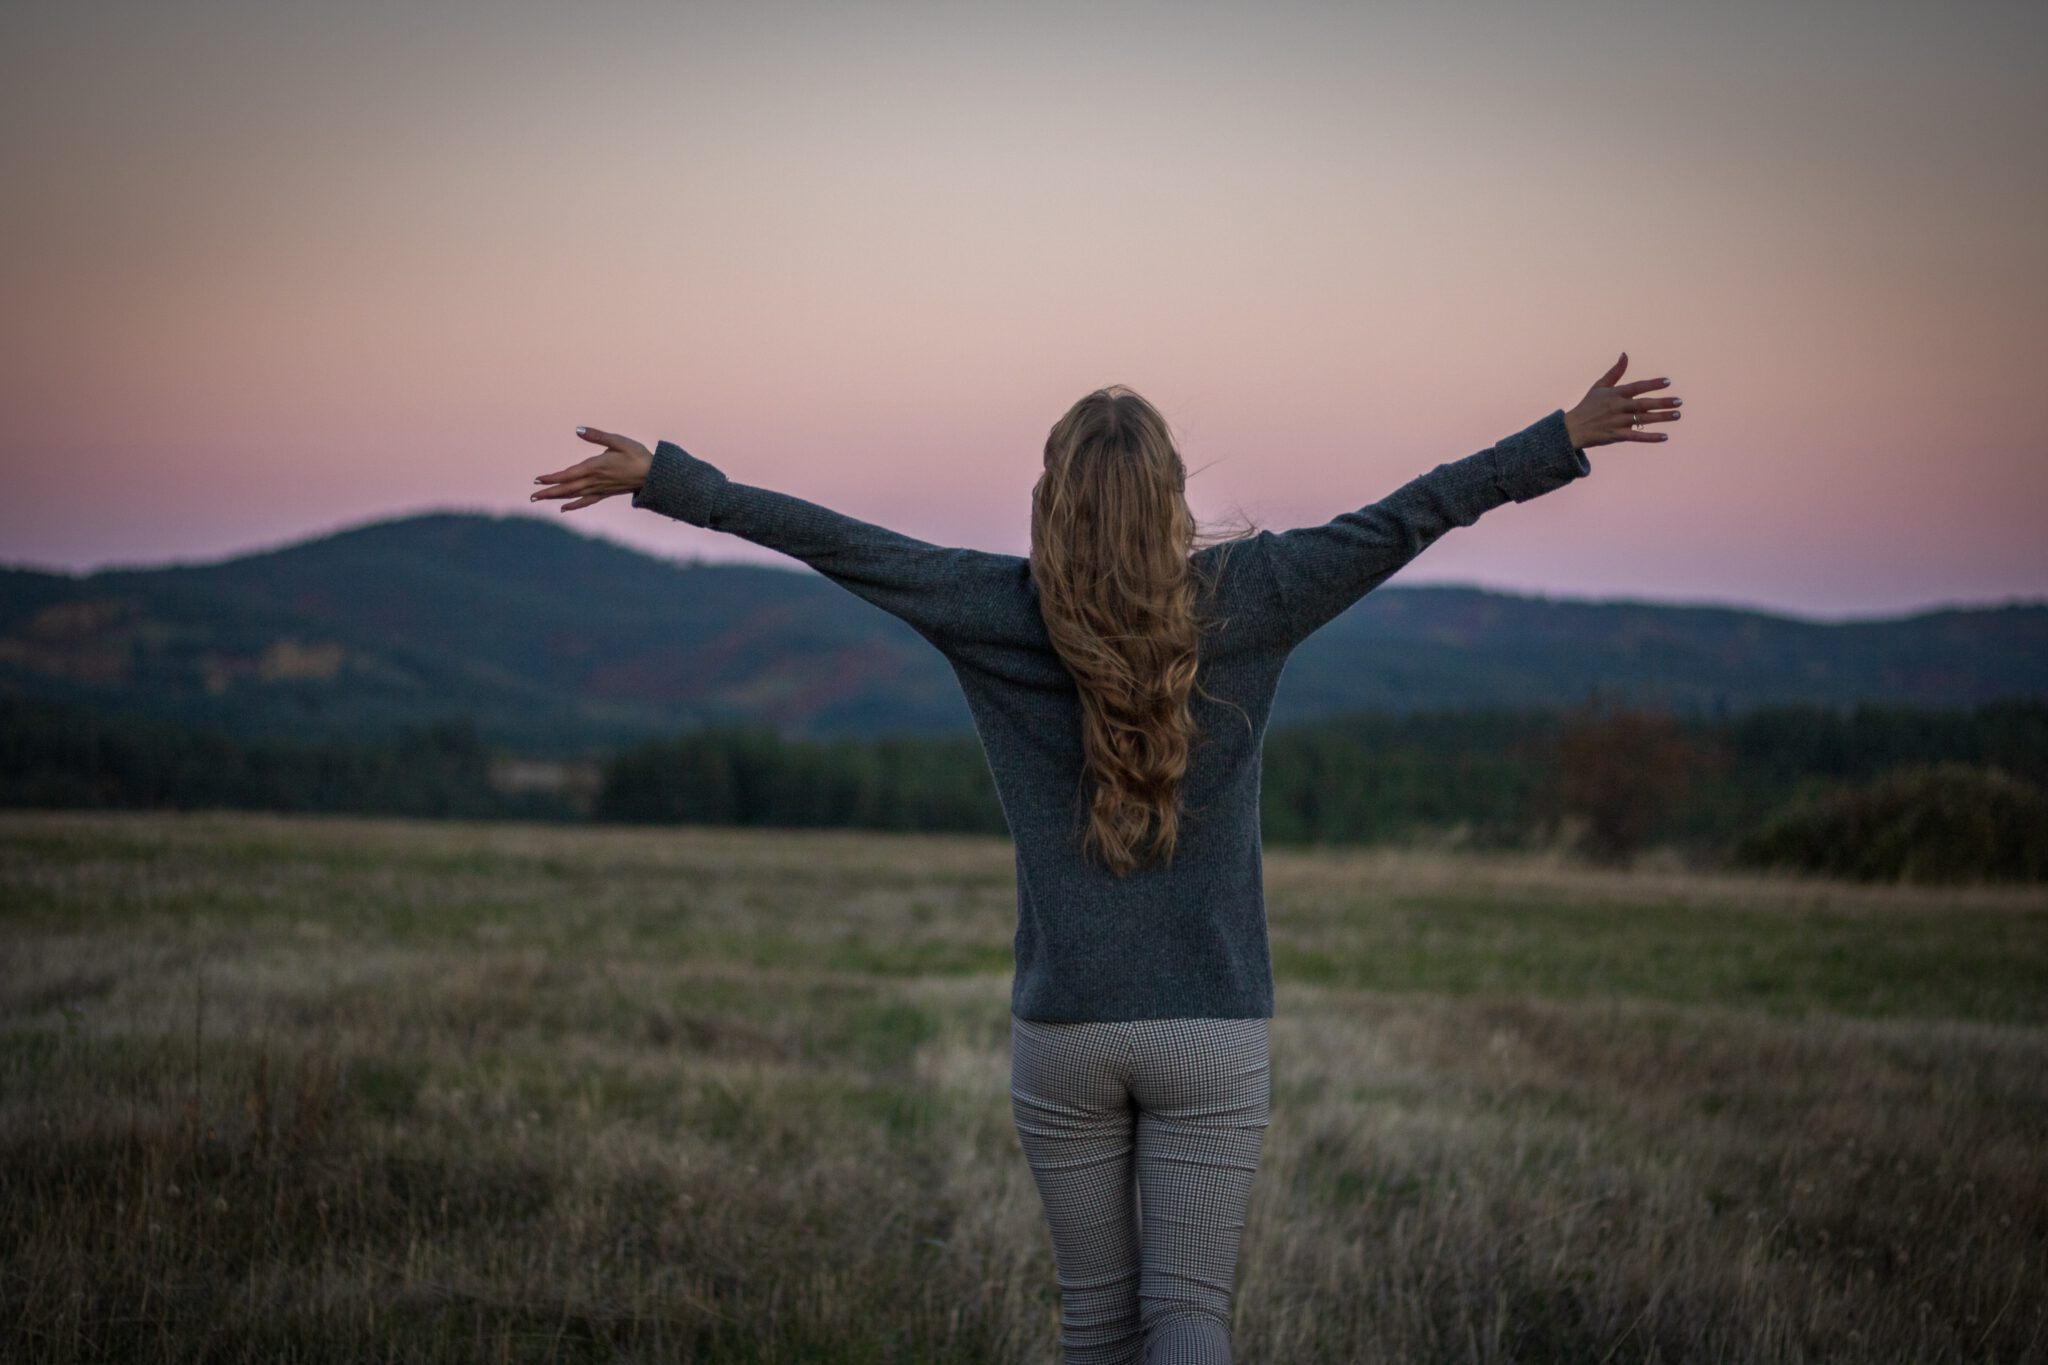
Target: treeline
x=752 y=777
x=52 y=754
x=1624 y=777
x=1877 y=791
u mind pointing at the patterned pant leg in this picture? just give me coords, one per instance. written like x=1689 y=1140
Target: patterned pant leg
x=1069 y=1096
x=1203 y=1089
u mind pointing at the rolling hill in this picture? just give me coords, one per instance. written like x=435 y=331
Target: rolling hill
x=555 y=642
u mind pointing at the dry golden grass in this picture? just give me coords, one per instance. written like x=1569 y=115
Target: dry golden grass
x=280 y=1088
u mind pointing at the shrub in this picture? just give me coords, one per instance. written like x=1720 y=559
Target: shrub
x=1932 y=822
x=1624 y=771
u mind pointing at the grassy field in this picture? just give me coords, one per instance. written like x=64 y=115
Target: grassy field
x=277 y=1088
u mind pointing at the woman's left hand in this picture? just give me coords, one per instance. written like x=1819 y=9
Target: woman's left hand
x=621 y=467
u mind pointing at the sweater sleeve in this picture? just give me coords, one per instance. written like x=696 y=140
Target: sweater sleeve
x=1319 y=571
x=919 y=583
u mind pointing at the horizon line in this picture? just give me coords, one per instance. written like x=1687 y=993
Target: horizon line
x=793 y=565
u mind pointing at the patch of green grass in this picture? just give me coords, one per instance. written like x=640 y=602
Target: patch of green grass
x=880 y=1033
x=42 y=1058
x=1956 y=963
x=386 y=1088
x=1330 y=1174
x=900 y=1110
x=852 y=953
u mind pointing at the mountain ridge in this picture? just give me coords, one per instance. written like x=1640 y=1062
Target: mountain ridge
x=558 y=641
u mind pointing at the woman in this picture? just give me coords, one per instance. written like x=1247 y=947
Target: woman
x=1120 y=680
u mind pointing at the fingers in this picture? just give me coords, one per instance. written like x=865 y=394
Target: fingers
x=1639 y=418
x=1630 y=433
x=603 y=438
x=1640 y=412
x=573 y=471
x=575 y=487
x=1613 y=373
x=1621 y=418
x=580 y=497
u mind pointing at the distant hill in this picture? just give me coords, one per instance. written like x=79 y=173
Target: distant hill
x=1408 y=649
x=554 y=642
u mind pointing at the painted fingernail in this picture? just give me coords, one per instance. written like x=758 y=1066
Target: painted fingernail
x=1678 y=402
x=581 y=430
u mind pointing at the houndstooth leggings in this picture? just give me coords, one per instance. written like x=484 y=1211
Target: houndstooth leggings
x=1172 y=1112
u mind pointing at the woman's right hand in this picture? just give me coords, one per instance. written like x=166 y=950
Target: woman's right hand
x=1609 y=411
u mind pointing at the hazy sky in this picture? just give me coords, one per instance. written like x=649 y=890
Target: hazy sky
x=270 y=271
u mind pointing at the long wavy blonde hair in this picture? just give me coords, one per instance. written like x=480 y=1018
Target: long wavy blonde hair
x=1111 y=535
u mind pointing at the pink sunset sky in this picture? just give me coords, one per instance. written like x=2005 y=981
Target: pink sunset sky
x=275 y=270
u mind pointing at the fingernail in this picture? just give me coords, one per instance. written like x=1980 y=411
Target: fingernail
x=581 y=430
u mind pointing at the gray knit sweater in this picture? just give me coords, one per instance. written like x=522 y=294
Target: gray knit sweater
x=1179 y=939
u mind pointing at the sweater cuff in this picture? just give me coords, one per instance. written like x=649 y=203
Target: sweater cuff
x=1538 y=459
x=680 y=485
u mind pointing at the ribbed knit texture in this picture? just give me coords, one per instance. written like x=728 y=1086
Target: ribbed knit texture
x=1179 y=940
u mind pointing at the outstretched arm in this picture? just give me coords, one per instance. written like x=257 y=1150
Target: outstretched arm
x=920 y=583
x=909 y=578
x=1319 y=571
